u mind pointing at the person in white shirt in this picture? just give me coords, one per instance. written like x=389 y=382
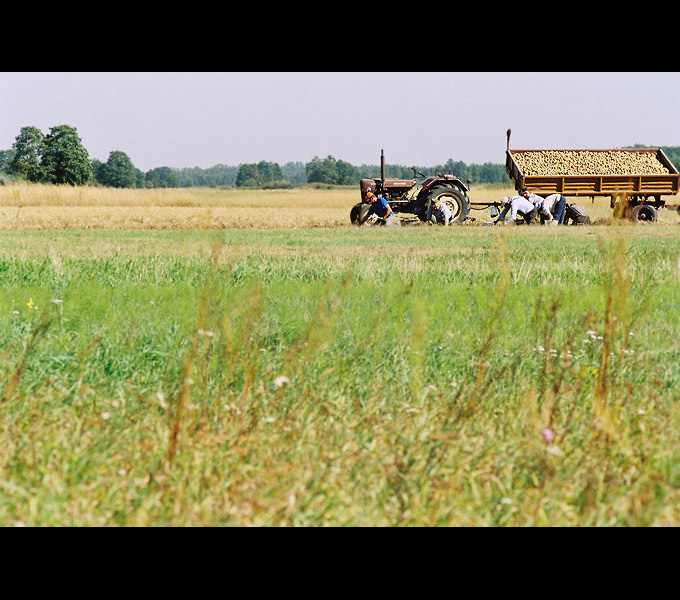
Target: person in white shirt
x=552 y=209
x=440 y=213
x=535 y=199
x=517 y=206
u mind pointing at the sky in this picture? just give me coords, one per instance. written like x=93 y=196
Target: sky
x=200 y=119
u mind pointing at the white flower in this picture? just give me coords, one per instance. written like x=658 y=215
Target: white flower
x=57 y=301
x=106 y=416
x=205 y=333
x=269 y=420
x=161 y=399
x=554 y=450
x=281 y=381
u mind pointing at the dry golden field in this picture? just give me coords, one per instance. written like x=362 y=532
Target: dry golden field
x=35 y=206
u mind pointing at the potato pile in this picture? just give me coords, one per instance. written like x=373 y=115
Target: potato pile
x=588 y=162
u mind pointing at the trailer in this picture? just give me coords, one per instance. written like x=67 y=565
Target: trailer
x=635 y=179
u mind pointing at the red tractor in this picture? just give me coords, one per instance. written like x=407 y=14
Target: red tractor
x=408 y=197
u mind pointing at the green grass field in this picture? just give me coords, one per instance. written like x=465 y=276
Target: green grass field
x=465 y=376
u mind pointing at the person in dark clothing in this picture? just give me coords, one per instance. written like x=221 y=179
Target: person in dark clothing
x=381 y=209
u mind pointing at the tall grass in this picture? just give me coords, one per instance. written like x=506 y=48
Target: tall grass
x=413 y=377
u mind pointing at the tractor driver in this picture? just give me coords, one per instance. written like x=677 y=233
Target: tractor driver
x=381 y=208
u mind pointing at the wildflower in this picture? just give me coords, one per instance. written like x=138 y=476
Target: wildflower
x=15 y=312
x=205 y=333
x=506 y=500
x=30 y=304
x=106 y=416
x=269 y=420
x=57 y=301
x=281 y=381
x=547 y=434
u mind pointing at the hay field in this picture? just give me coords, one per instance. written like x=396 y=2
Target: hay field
x=35 y=206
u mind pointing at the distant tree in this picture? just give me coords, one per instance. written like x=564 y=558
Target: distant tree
x=247 y=175
x=347 y=173
x=322 y=171
x=259 y=174
x=64 y=158
x=294 y=172
x=6 y=158
x=162 y=177
x=118 y=171
x=269 y=171
x=96 y=169
x=28 y=149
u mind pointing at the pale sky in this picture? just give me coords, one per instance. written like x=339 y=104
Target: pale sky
x=202 y=119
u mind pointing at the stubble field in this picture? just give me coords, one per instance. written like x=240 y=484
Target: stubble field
x=220 y=358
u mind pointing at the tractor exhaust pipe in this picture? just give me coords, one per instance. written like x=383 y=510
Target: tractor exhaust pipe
x=382 y=166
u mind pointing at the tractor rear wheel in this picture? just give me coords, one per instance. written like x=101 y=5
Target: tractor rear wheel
x=456 y=200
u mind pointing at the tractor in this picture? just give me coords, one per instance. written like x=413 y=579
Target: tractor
x=406 y=196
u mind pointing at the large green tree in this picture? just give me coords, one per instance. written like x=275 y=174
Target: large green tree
x=28 y=149
x=65 y=159
x=322 y=170
x=118 y=171
x=347 y=173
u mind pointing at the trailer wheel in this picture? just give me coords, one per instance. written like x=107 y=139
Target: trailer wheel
x=358 y=213
x=643 y=212
x=454 y=198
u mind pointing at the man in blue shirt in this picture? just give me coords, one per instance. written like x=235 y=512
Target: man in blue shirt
x=381 y=209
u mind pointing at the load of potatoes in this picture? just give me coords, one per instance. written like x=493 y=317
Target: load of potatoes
x=588 y=162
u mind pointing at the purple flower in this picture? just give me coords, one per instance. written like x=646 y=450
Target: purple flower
x=548 y=435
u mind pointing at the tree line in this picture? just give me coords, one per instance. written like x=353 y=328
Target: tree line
x=60 y=157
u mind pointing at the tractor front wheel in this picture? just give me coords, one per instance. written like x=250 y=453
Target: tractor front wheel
x=359 y=213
